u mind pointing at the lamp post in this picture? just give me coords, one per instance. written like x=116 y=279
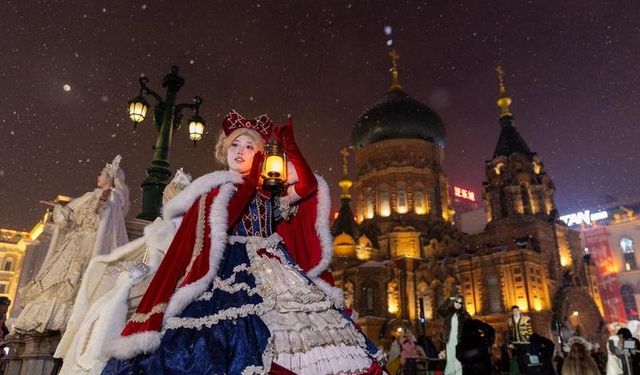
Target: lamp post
x=167 y=116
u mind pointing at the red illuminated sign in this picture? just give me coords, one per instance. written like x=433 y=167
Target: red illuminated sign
x=465 y=194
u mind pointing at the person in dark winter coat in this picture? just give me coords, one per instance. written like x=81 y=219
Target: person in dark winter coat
x=540 y=354
x=630 y=356
x=474 y=349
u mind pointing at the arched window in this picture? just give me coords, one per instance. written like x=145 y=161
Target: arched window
x=369 y=298
x=8 y=265
x=495 y=297
x=629 y=302
x=385 y=206
x=371 y=203
x=401 y=198
x=425 y=301
x=626 y=244
x=393 y=298
x=419 y=201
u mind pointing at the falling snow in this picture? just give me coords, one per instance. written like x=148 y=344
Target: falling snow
x=571 y=71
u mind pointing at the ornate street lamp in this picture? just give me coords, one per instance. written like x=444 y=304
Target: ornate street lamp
x=138 y=109
x=196 y=128
x=167 y=116
x=274 y=167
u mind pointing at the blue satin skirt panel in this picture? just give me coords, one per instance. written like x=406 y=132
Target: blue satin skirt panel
x=215 y=345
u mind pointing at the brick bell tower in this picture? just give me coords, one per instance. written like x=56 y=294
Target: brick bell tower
x=536 y=258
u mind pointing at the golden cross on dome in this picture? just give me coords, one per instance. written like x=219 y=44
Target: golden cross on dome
x=395 y=82
x=504 y=101
x=500 y=72
x=394 y=58
x=345 y=161
x=345 y=183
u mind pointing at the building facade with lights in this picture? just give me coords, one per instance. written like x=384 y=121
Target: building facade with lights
x=398 y=255
x=610 y=238
x=13 y=247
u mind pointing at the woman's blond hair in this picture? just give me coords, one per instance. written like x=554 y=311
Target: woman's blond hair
x=579 y=362
x=224 y=142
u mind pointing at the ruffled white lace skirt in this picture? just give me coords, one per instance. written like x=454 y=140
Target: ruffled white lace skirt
x=309 y=336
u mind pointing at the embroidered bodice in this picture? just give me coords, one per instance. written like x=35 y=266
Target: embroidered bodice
x=85 y=216
x=257 y=219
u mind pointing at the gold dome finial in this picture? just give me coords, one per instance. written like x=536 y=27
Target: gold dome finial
x=345 y=183
x=395 y=82
x=504 y=101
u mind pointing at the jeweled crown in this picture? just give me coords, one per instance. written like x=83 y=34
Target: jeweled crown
x=261 y=124
x=112 y=168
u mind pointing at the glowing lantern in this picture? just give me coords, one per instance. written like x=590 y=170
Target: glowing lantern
x=137 y=110
x=196 y=129
x=274 y=168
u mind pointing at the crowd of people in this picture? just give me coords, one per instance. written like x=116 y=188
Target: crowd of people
x=469 y=348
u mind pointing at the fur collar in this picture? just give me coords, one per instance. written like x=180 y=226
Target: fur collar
x=183 y=200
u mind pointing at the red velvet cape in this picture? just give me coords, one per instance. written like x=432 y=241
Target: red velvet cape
x=193 y=257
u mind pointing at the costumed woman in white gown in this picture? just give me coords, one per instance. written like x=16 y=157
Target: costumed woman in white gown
x=244 y=286
x=100 y=309
x=90 y=225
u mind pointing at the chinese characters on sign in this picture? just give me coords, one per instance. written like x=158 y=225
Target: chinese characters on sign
x=459 y=192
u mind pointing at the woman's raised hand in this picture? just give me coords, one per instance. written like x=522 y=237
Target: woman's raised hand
x=307 y=183
x=283 y=134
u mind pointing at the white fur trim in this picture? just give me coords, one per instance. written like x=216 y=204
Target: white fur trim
x=117 y=318
x=323 y=229
x=159 y=234
x=125 y=347
x=292 y=174
x=183 y=200
x=335 y=294
x=218 y=217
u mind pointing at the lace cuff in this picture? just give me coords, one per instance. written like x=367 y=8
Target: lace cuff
x=63 y=216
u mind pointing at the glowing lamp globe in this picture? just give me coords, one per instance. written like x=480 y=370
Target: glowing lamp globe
x=137 y=110
x=274 y=168
x=196 y=129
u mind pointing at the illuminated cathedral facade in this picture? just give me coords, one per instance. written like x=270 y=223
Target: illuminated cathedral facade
x=398 y=254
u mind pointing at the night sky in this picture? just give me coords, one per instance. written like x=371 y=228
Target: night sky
x=571 y=69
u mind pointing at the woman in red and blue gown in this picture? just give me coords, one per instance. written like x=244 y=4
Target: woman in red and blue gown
x=244 y=287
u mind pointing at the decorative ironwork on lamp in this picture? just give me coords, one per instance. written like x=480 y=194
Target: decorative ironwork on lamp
x=167 y=118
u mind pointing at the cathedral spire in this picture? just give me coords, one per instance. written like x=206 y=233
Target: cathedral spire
x=504 y=101
x=345 y=183
x=395 y=82
x=345 y=222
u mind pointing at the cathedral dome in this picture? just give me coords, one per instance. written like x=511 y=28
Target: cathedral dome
x=344 y=245
x=398 y=116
